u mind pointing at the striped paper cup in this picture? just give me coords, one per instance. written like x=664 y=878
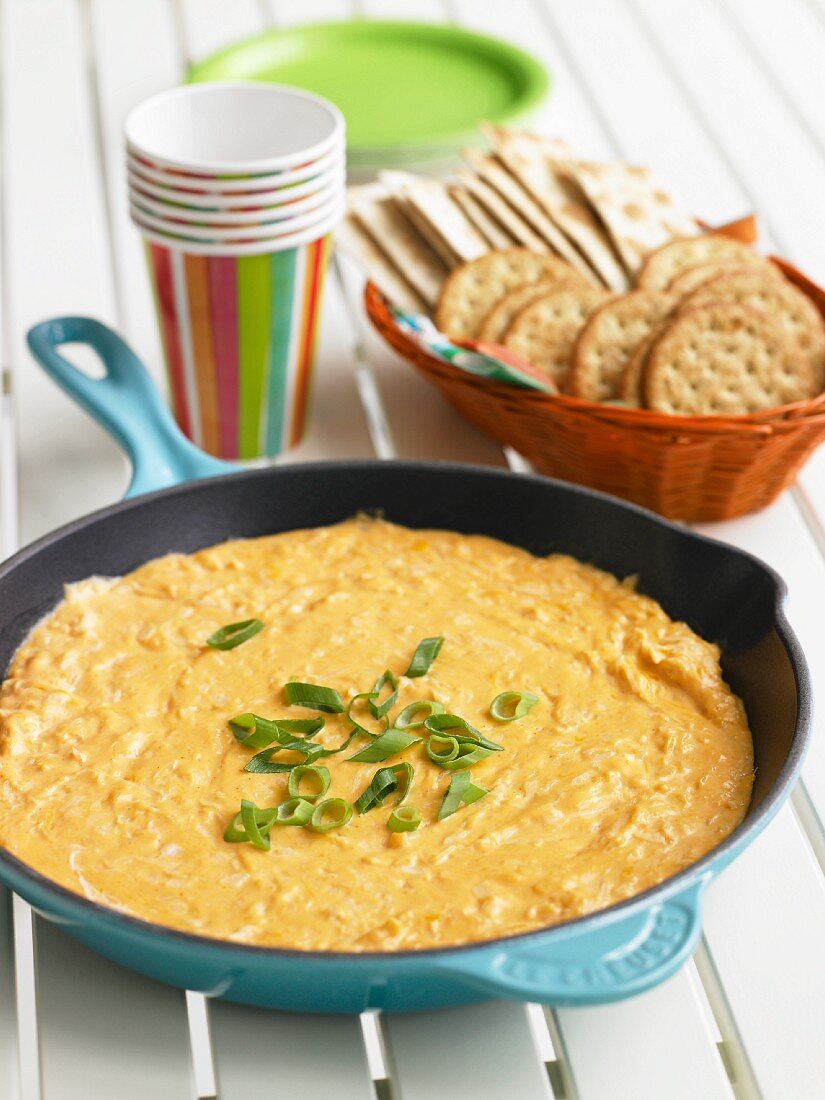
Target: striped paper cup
x=239 y=334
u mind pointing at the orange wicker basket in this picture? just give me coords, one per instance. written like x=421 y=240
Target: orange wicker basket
x=688 y=468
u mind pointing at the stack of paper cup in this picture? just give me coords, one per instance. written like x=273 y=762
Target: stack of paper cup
x=236 y=189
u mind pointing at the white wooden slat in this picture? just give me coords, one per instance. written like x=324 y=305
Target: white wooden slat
x=787 y=43
x=770 y=956
x=9 y=1070
x=211 y=24
x=279 y=1054
x=287 y=12
x=434 y=11
x=731 y=92
x=609 y=1047
x=651 y=121
x=57 y=261
x=482 y=1052
x=90 y=1012
x=568 y=113
x=124 y=76
x=57 y=256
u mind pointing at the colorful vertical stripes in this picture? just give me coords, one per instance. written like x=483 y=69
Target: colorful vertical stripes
x=239 y=340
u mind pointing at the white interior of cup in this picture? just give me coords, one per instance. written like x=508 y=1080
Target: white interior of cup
x=239 y=233
x=233 y=127
x=260 y=216
x=215 y=201
x=254 y=248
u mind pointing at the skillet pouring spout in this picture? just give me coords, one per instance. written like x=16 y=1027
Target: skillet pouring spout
x=726 y=596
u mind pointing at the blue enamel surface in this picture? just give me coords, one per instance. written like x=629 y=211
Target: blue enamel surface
x=125 y=402
x=605 y=957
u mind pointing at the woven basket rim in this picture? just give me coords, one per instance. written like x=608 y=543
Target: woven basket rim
x=779 y=418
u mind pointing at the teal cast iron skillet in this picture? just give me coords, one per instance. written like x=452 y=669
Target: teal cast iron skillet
x=181 y=500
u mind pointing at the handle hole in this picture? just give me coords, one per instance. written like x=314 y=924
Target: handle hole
x=85 y=359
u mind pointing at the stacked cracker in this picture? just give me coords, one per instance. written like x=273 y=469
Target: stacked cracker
x=594 y=275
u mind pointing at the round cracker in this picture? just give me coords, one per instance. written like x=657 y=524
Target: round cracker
x=544 y=333
x=662 y=266
x=506 y=309
x=609 y=338
x=472 y=288
x=781 y=300
x=724 y=359
x=631 y=388
x=692 y=277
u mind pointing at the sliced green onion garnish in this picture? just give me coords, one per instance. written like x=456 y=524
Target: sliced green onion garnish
x=261 y=762
x=254 y=834
x=314 y=697
x=425 y=653
x=369 y=697
x=405 y=819
x=441 y=748
x=318 y=777
x=295 y=811
x=460 y=729
x=254 y=732
x=331 y=814
x=390 y=743
x=386 y=781
x=236 y=830
x=462 y=792
x=469 y=753
x=378 y=710
x=407 y=719
x=511 y=705
x=235 y=634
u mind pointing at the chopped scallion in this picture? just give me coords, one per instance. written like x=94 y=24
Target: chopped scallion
x=295 y=811
x=386 y=679
x=318 y=777
x=386 y=781
x=425 y=653
x=331 y=814
x=235 y=634
x=405 y=819
x=460 y=729
x=314 y=697
x=462 y=792
x=510 y=705
x=390 y=743
x=407 y=719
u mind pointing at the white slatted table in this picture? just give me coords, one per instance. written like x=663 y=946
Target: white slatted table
x=725 y=96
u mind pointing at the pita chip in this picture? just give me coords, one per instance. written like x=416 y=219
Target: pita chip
x=496 y=236
x=399 y=240
x=541 y=166
x=511 y=189
x=639 y=215
x=357 y=244
x=501 y=211
x=441 y=222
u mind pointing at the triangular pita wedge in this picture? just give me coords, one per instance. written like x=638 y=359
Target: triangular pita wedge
x=496 y=235
x=510 y=188
x=638 y=213
x=428 y=204
x=540 y=164
x=501 y=211
x=357 y=244
x=399 y=240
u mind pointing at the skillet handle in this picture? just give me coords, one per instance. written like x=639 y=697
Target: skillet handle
x=125 y=402
x=611 y=960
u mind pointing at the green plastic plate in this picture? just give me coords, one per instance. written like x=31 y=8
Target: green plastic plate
x=406 y=89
